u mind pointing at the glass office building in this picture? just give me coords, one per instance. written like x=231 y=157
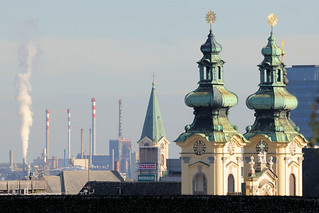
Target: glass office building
x=304 y=84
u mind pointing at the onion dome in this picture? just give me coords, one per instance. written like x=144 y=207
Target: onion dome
x=272 y=102
x=211 y=100
x=211 y=46
x=272 y=93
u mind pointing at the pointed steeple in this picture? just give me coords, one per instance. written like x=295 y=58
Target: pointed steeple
x=153 y=125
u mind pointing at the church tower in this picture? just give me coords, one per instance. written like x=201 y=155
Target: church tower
x=153 y=135
x=210 y=146
x=274 y=137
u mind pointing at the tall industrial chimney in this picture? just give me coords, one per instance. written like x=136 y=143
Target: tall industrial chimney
x=120 y=119
x=69 y=134
x=91 y=147
x=81 y=143
x=93 y=127
x=47 y=133
x=44 y=155
x=11 y=158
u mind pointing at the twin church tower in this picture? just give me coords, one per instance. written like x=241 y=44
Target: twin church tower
x=215 y=158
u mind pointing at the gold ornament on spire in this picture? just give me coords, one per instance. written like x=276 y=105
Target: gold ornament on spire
x=283 y=51
x=211 y=18
x=272 y=19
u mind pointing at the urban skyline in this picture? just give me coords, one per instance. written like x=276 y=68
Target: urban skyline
x=109 y=51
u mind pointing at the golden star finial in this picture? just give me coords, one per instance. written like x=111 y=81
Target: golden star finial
x=272 y=20
x=210 y=18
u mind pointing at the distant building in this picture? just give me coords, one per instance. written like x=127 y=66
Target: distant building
x=153 y=145
x=304 y=84
x=121 y=151
x=71 y=182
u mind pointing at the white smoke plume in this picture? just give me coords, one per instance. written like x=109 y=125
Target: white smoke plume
x=27 y=54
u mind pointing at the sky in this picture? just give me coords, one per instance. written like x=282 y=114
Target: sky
x=110 y=49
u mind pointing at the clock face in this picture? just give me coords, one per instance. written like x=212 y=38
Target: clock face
x=199 y=147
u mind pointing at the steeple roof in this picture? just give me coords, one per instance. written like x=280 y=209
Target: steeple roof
x=211 y=101
x=272 y=102
x=153 y=125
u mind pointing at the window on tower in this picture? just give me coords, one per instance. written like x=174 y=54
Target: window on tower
x=278 y=75
x=207 y=76
x=268 y=76
x=219 y=72
x=264 y=76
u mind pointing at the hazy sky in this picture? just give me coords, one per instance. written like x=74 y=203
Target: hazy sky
x=110 y=49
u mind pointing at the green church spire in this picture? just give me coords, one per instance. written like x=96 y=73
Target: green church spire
x=272 y=102
x=211 y=101
x=153 y=125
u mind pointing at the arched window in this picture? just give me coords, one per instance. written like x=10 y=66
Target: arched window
x=146 y=144
x=219 y=73
x=268 y=76
x=278 y=75
x=162 y=160
x=207 y=77
x=199 y=184
x=292 y=185
x=231 y=184
x=264 y=76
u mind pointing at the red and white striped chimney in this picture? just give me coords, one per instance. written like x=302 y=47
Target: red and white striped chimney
x=93 y=127
x=69 y=134
x=47 y=133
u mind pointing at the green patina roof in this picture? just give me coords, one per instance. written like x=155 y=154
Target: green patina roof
x=272 y=102
x=153 y=125
x=211 y=100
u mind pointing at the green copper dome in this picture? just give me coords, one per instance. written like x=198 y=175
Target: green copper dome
x=211 y=100
x=272 y=102
x=272 y=93
x=211 y=92
x=271 y=49
x=211 y=46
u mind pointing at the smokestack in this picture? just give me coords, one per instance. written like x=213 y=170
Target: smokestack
x=44 y=155
x=81 y=143
x=120 y=119
x=69 y=134
x=24 y=161
x=11 y=158
x=64 y=161
x=47 y=133
x=93 y=126
x=91 y=147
